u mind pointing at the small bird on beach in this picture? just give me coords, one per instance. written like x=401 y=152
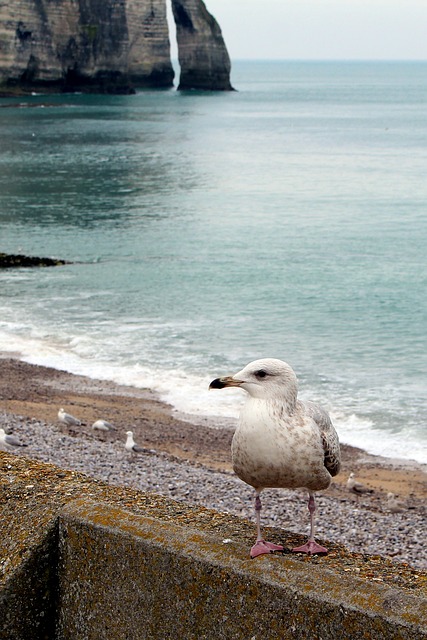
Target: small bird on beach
x=281 y=441
x=68 y=419
x=103 y=425
x=394 y=505
x=130 y=444
x=357 y=488
x=9 y=442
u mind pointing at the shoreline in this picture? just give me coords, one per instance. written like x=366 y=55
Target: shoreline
x=83 y=385
x=191 y=461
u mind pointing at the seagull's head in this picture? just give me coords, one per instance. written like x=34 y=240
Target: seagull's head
x=267 y=378
x=129 y=434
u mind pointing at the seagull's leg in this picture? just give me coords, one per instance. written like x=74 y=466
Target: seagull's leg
x=311 y=545
x=261 y=546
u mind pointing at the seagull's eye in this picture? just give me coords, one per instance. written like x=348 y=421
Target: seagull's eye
x=261 y=373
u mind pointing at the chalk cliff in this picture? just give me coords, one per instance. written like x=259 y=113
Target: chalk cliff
x=101 y=45
x=85 y=44
x=202 y=54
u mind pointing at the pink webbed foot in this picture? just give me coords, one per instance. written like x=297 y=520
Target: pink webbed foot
x=261 y=546
x=311 y=547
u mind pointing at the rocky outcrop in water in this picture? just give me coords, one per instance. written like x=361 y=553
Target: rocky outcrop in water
x=107 y=46
x=202 y=54
x=10 y=260
x=86 y=45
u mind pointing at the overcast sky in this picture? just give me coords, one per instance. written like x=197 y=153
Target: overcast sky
x=323 y=29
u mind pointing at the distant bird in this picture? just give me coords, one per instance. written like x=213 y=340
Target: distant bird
x=357 y=488
x=9 y=442
x=68 y=419
x=130 y=444
x=103 y=425
x=394 y=505
x=281 y=441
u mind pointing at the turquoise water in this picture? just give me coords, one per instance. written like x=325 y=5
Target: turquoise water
x=287 y=219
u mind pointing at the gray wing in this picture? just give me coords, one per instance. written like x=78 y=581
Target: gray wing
x=138 y=449
x=109 y=425
x=103 y=425
x=12 y=441
x=331 y=444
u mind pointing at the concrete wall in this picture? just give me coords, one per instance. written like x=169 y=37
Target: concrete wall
x=28 y=596
x=92 y=570
x=127 y=577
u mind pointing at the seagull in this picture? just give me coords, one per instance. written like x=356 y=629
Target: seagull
x=130 y=444
x=9 y=442
x=68 y=419
x=394 y=505
x=281 y=441
x=357 y=487
x=102 y=425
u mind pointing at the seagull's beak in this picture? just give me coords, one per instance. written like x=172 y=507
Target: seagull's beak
x=228 y=381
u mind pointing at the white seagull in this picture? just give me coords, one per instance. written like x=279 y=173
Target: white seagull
x=102 y=425
x=9 y=442
x=281 y=441
x=395 y=505
x=357 y=488
x=68 y=419
x=130 y=444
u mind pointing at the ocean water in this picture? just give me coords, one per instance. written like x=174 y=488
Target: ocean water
x=286 y=219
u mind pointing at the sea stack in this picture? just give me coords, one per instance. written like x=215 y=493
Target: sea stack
x=202 y=54
x=106 y=46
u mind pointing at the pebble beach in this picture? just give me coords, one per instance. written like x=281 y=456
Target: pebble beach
x=190 y=462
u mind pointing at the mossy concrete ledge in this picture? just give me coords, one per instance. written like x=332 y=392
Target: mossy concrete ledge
x=122 y=576
x=90 y=568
